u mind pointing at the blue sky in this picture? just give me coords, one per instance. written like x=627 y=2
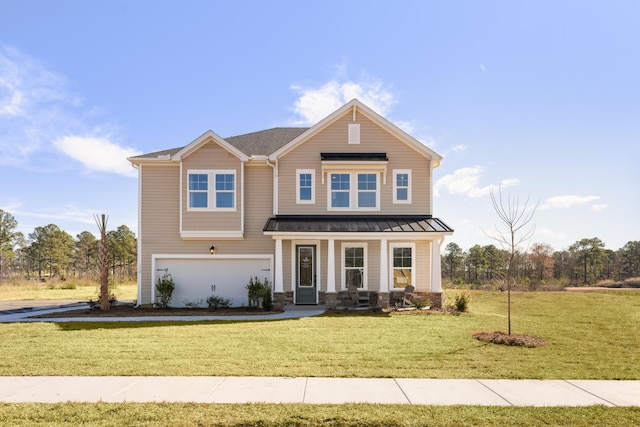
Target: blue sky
x=541 y=97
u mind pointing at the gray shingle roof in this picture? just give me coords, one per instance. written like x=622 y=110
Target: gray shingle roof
x=259 y=143
x=265 y=142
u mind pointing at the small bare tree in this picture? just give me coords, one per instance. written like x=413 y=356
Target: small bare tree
x=516 y=231
x=103 y=262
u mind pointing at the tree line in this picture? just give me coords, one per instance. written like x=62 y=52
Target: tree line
x=50 y=252
x=586 y=262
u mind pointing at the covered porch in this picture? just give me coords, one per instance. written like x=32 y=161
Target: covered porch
x=317 y=258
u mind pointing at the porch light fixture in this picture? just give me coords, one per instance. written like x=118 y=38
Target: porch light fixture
x=212 y=248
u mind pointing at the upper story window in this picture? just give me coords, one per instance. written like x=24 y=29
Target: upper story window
x=198 y=190
x=219 y=196
x=305 y=186
x=401 y=186
x=354 y=191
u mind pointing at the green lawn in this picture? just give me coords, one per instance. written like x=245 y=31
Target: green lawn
x=591 y=336
x=107 y=414
x=62 y=290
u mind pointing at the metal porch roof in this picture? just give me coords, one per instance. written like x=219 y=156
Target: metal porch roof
x=356 y=224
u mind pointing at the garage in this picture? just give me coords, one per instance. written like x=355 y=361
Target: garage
x=198 y=277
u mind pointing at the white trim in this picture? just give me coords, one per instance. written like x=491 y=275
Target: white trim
x=353 y=192
x=397 y=172
x=241 y=196
x=393 y=246
x=211 y=189
x=311 y=172
x=365 y=276
x=330 y=166
x=373 y=116
x=323 y=235
x=204 y=139
x=139 y=237
x=208 y=234
x=318 y=272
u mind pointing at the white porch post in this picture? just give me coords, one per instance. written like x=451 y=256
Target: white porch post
x=331 y=266
x=436 y=273
x=384 y=266
x=279 y=278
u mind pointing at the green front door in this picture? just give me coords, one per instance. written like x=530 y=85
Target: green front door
x=306 y=274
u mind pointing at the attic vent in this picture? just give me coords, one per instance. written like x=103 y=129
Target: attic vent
x=164 y=156
x=354 y=133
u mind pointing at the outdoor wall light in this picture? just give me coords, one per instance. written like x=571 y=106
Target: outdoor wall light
x=212 y=248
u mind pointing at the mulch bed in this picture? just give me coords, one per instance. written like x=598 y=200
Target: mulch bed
x=497 y=337
x=130 y=311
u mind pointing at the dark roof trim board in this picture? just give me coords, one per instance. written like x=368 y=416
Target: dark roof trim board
x=356 y=224
x=382 y=157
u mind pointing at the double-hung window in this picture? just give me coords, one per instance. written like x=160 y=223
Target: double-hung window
x=198 y=190
x=402 y=186
x=402 y=265
x=305 y=189
x=353 y=191
x=354 y=272
x=212 y=190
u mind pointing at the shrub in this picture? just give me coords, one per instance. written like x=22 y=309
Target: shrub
x=259 y=293
x=165 y=287
x=193 y=304
x=267 y=298
x=461 y=302
x=216 y=302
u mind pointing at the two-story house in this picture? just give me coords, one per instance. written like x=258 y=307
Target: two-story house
x=315 y=210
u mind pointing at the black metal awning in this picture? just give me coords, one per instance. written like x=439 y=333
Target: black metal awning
x=356 y=224
x=378 y=157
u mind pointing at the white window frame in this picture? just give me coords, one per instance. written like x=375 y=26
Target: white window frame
x=211 y=190
x=397 y=172
x=311 y=172
x=393 y=246
x=343 y=268
x=353 y=191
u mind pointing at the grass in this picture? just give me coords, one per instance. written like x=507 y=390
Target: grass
x=590 y=336
x=184 y=414
x=82 y=290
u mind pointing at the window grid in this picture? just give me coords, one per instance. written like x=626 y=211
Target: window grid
x=354 y=266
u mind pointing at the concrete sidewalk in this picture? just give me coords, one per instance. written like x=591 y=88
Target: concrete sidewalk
x=320 y=390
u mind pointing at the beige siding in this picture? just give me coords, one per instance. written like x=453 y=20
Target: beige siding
x=208 y=157
x=159 y=209
x=373 y=139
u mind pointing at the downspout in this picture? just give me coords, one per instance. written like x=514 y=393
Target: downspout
x=275 y=184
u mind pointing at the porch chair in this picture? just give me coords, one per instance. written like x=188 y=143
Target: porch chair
x=358 y=299
x=407 y=297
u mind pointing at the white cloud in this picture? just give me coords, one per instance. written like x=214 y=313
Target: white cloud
x=37 y=110
x=98 y=154
x=599 y=207
x=465 y=181
x=564 y=202
x=315 y=103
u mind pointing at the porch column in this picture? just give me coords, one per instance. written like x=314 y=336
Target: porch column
x=384 y=266
x=279 y=280
x=383 y=294
x=436 y=274
x=331 y=298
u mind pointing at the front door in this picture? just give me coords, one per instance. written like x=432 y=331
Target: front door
x=306 y=274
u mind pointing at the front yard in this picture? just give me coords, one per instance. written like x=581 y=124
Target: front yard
x=591 y=336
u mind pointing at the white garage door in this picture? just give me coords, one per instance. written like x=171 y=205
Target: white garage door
x=199 y=278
